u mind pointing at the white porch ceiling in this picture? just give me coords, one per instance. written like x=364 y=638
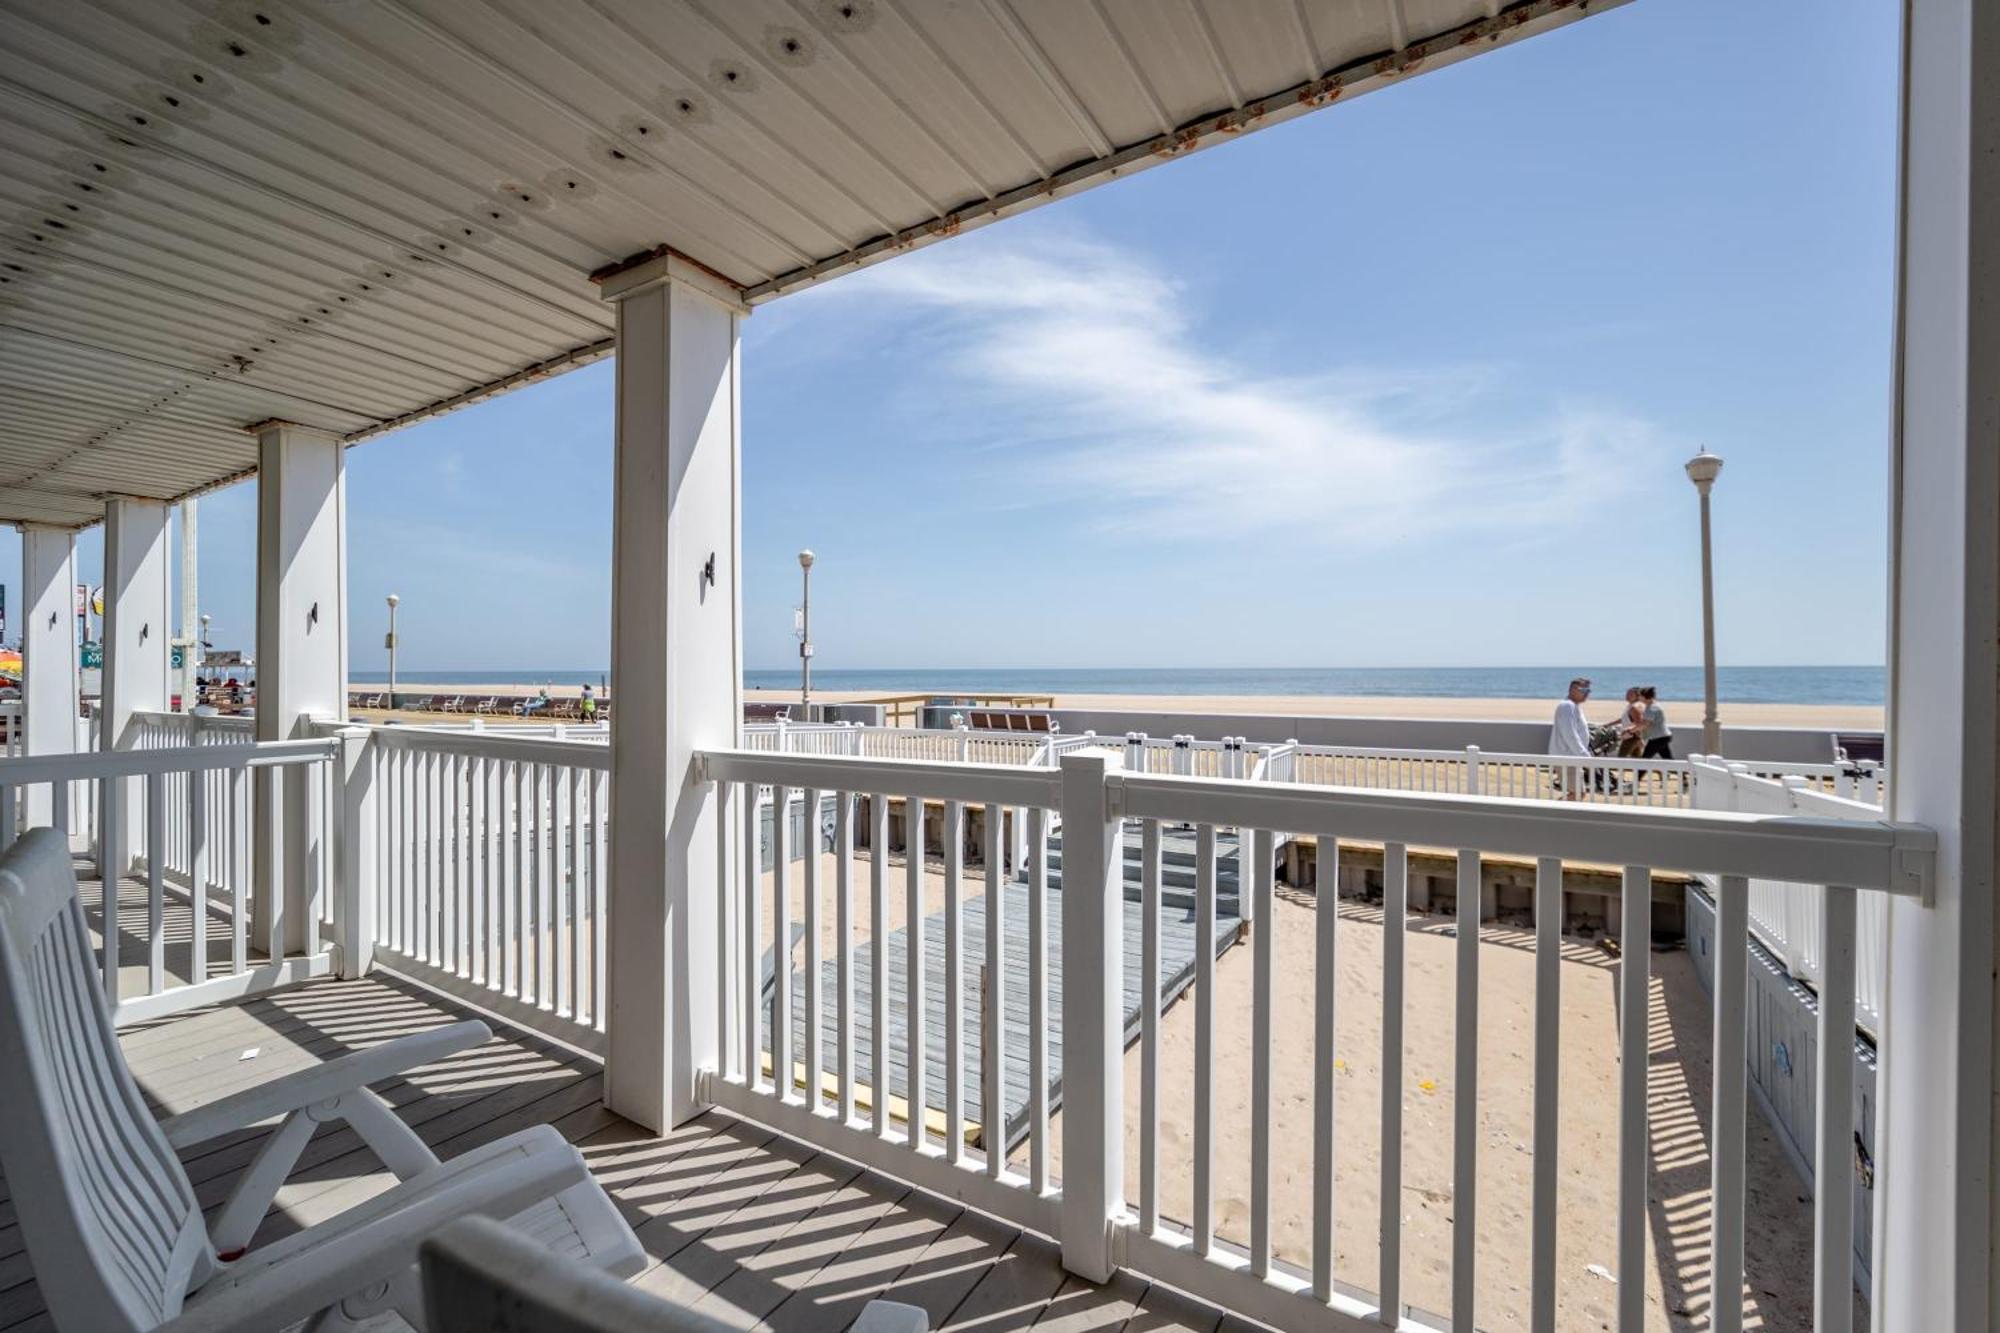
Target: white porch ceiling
x=357 y=213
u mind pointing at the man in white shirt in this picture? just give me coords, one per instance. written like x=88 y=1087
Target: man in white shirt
x=1569 y=736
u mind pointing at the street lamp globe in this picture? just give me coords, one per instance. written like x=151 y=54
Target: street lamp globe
x=1704 y=468
x=394 y=600
x=805 y=559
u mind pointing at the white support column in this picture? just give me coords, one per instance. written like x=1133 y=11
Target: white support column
x=676 y=650
x=1093 y=1029
x=301 y=654
x=1935 y=1263
x=138 y=630
x=48 y=652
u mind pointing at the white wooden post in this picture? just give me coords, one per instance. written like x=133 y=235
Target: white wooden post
x=138 y=628
x=355 y=864
x=1472 y=781
x=48 y=653
x=301 y=656
x=676 y=653
x=1093 y=1116
x=1935 y=1256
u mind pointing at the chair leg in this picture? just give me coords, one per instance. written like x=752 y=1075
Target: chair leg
x=259 y=1185
x=382 y=1130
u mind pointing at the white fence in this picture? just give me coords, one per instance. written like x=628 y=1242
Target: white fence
x=489 y=858
x=821 y=1094
x=176 y=844
x=1659 y=783
x=1784 y=913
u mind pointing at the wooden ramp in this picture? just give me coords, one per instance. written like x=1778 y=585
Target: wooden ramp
x=1178 y=948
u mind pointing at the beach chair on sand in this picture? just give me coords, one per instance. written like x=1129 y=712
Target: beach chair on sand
x=114 y=1231
x=454 y=704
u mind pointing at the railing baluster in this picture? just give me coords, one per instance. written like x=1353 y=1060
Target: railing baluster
x=993 y=1052
x=198 y=878
x=479 y=872
x=562 y=933
x=156 y=883
x=843 y=958
x=579 y=898
x=1548 y=1056
x=1465 y=1098
x=748 y=980
x=514 y=846
x=878 y=948
x=1726 y=1119
x=1038 y=1000
x=913 y=956
x=1833 y=1189
x=600 y=898
x=954 y=980
x=239 y=879
x=1263 y=984
x=546 y=918
x=1395 y=909
x=1326 y=921
x=727 y=840
x=809 y=1034
x=1634 y=966
x=450 y=885
x=1149 y=1027
x=1204 y=1035
x=781 y=944
x=464 y=833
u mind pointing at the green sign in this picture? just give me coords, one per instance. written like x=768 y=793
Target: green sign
x=180 y=657
x=93 y=656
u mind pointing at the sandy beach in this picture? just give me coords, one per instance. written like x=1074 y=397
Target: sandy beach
x=1682 y=714
x=1778 y=1247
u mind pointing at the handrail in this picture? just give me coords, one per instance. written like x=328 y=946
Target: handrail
x=494 y=745
x=1893 y=857
x=932 y=779
x=167 y=759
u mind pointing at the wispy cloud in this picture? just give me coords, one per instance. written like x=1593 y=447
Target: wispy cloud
x=1102 y=364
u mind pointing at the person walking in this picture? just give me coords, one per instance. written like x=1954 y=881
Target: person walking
x=1569 y=736
x=1631 y=725
x=1657 y=736
x=589 y=703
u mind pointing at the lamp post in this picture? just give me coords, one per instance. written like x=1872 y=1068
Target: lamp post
x=1702 y=470
x=805 y=635
x=389 y=642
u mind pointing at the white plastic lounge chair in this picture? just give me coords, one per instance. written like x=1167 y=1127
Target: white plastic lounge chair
x=479 y=1276
x=110 y=1220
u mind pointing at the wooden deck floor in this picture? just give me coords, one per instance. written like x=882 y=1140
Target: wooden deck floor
x=749 y=1227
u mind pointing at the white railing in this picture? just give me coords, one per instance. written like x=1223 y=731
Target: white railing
x=881 y=1111
x=1784 y=914
x=489 y=859
x=12 y=732
x=1600 y=780
x=177 y=844
x=160 y=731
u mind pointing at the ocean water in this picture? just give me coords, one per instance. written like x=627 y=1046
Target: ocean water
x=1864 y=685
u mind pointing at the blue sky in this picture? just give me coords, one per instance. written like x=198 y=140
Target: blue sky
x=1405 y=382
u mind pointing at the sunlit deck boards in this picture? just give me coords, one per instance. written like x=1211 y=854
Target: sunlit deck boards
x=753 y=1228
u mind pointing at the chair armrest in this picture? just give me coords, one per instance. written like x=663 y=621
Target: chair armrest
x=323 y=1265
x=329 y=1078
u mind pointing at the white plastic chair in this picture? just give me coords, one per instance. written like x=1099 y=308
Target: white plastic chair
x=110 y=1220
x=480 y=1277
